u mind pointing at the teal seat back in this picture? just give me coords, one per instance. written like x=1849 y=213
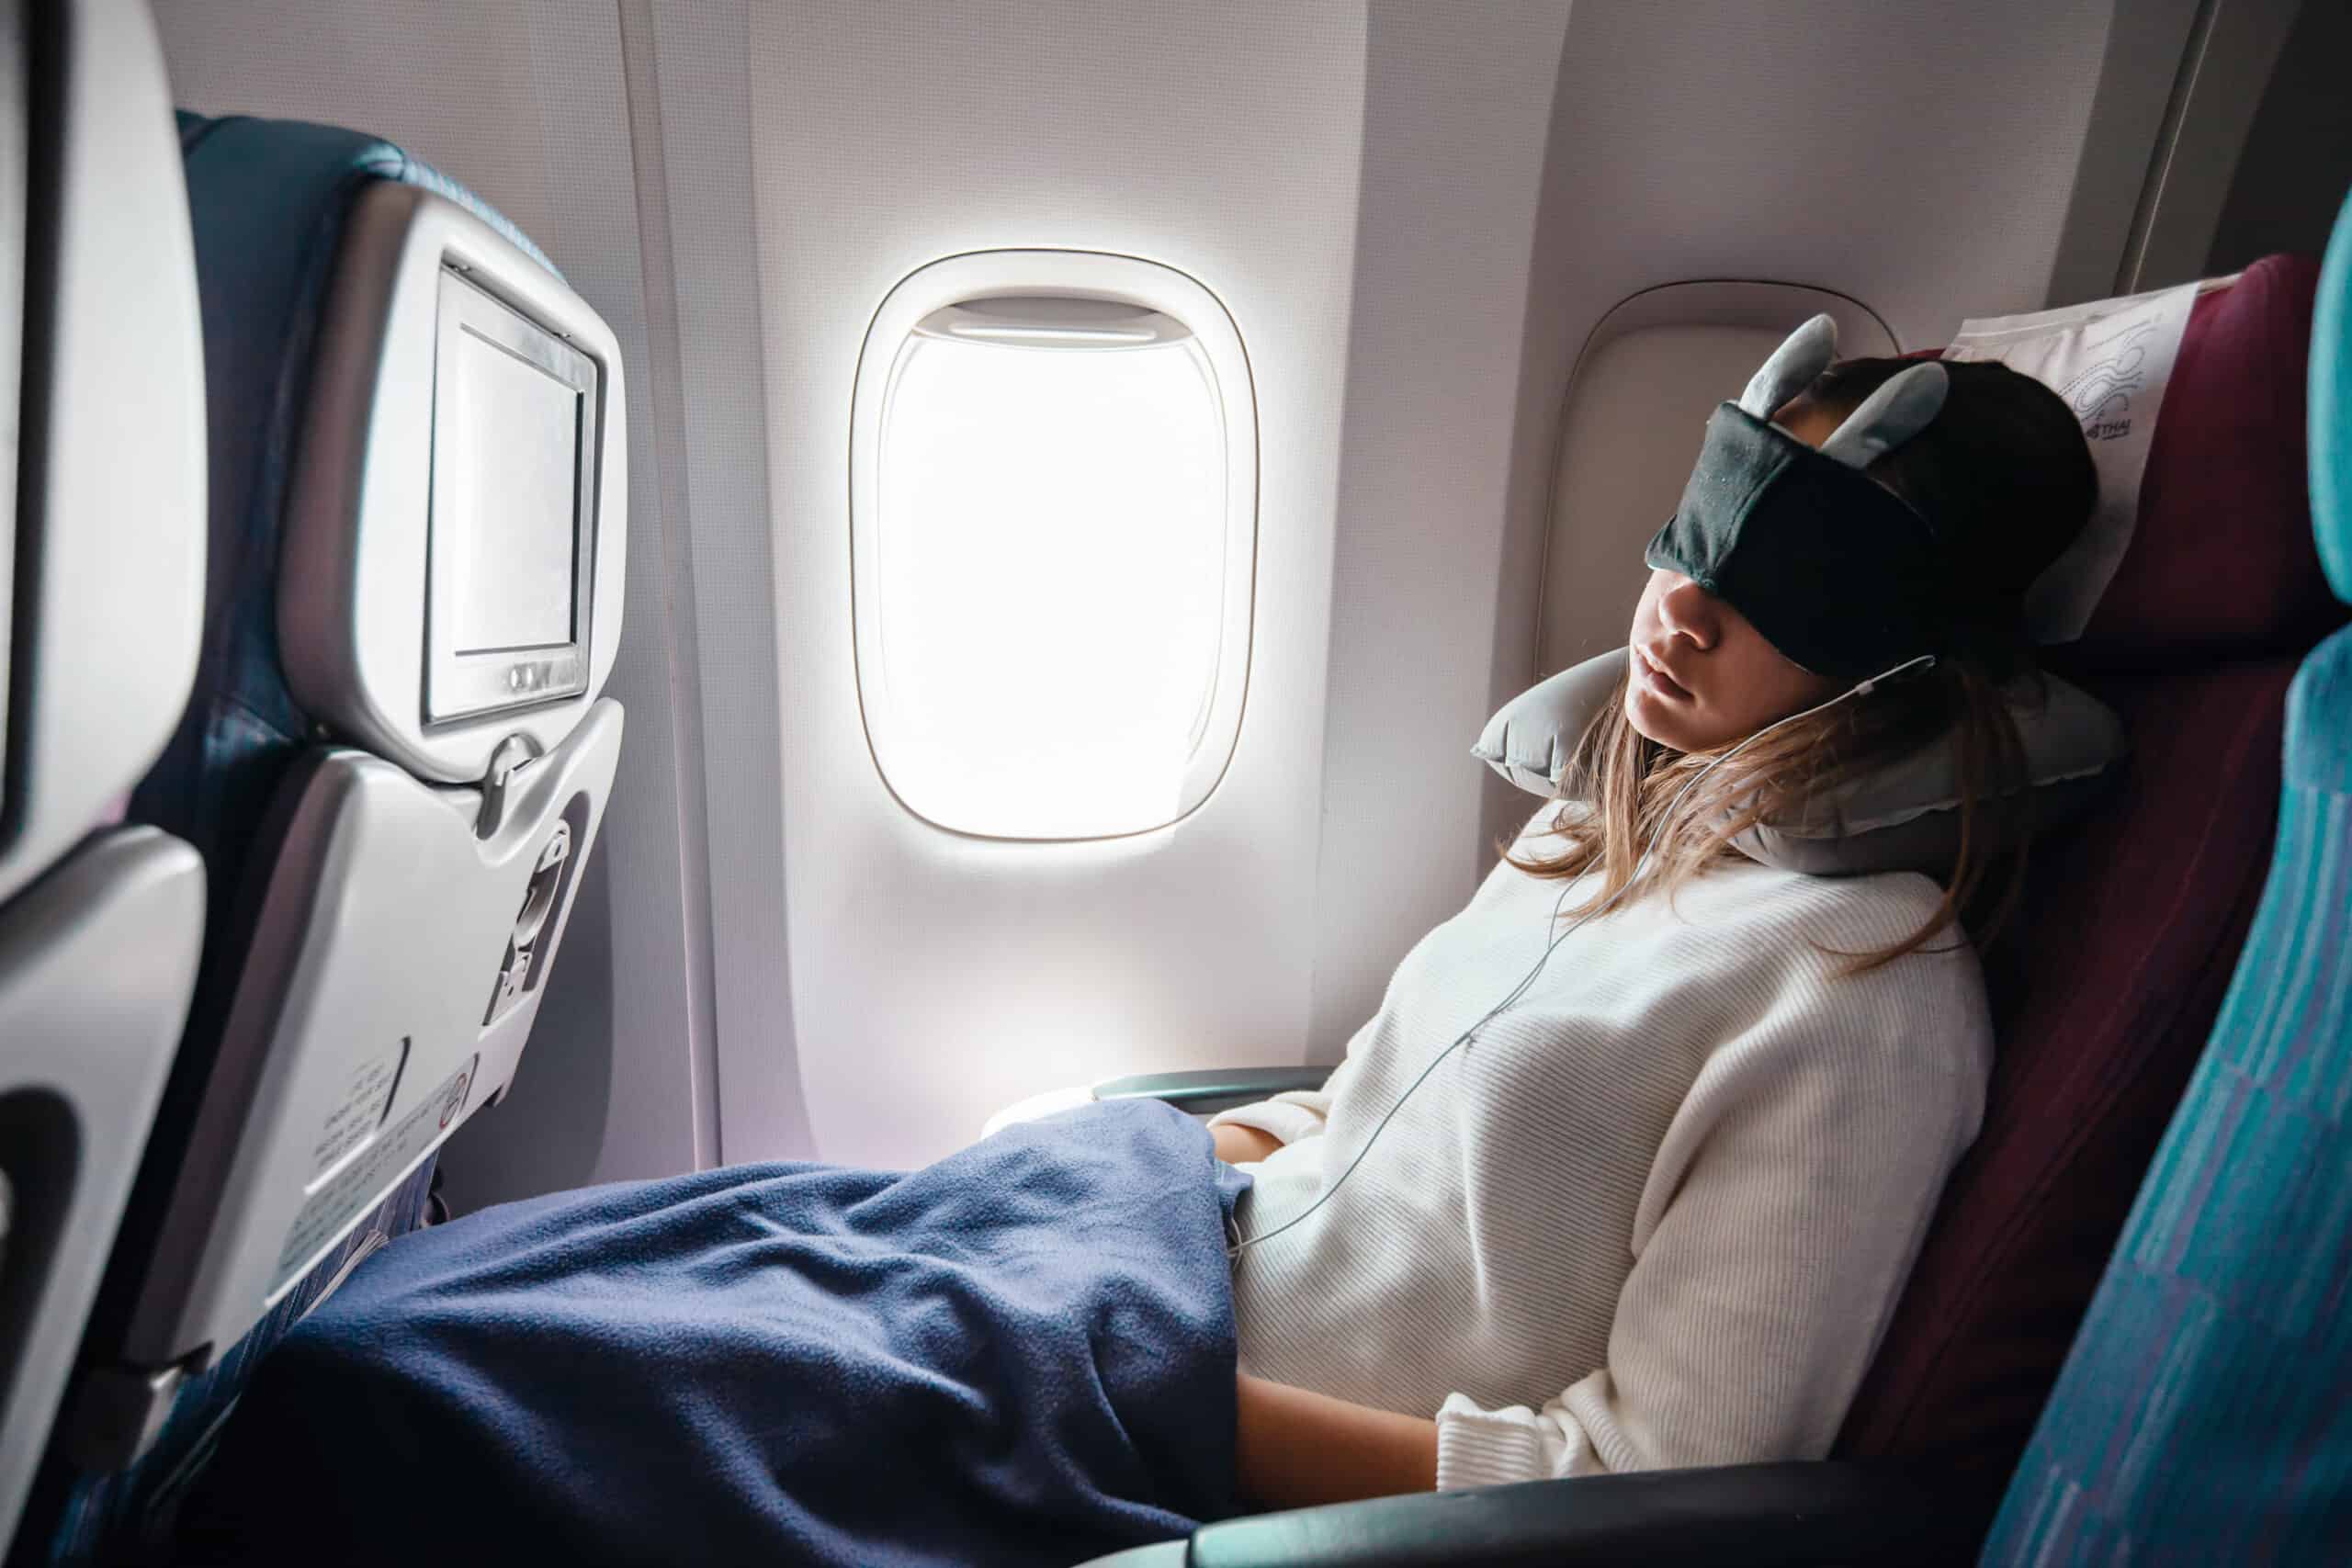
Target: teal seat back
x=2202 y=1415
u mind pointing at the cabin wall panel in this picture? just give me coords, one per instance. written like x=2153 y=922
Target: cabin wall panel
x=937 y=978
x=1457 y=106
x=2295 y=168
x=705 y=99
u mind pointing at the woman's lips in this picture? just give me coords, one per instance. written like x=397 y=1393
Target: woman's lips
x=1654 y=677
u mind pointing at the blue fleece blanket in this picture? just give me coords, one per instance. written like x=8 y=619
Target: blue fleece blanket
x=1022 y=1354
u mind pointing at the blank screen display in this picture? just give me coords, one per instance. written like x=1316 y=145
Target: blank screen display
x=506 y=455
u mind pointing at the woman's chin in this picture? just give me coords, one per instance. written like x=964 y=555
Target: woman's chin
x=1653 y=717
x=1676 y=724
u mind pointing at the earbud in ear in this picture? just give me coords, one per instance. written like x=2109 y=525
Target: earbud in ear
x=1923 y=663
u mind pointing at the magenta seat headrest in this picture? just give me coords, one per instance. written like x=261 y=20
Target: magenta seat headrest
x=2135 y=917
x=2222 y=564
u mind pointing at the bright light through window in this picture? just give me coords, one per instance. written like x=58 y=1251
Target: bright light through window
x=1052 y=622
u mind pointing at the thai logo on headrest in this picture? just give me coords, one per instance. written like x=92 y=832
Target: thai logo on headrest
x=2111 y=361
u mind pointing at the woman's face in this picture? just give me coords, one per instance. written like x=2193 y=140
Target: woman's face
x=1701 y=675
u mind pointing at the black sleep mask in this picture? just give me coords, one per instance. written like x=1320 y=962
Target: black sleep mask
x=1837 y=572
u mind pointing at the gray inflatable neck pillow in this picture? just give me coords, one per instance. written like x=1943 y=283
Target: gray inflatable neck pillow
x=1903 y=816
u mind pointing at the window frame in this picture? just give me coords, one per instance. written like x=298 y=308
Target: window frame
x=1094 y=275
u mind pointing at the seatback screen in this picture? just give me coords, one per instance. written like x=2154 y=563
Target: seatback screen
x=513 y=462
x=515 y=427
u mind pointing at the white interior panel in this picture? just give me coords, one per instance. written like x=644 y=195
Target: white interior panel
x=937 y=978
x=1457 y=102
x=525 y=103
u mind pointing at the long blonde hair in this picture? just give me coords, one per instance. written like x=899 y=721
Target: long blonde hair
x=1632 y=782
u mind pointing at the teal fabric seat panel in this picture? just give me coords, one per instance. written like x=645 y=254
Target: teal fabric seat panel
x=2202 y=1415
x=2331 y=409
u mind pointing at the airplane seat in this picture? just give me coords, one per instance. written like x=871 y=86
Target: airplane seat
x=101 y=588
x=2135 y=917
x=395 y=764
x=2201 y=1415
x=2134 y=926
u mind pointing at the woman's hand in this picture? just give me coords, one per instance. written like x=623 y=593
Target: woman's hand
x=1294 y=1449
x=1236 y=1143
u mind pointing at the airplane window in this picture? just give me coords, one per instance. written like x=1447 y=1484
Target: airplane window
x=1049 y=560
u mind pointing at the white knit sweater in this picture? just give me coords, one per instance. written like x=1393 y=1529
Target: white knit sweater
x=1658 y=1212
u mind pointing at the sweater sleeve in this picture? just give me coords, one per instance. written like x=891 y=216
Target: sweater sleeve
x=1294 y=1113
x=1774 y=1234
x=1287 y=1117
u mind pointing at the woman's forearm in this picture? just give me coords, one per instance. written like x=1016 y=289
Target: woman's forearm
x=1236 y=1144
x=1296 y=1449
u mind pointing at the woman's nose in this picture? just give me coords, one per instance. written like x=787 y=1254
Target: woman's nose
x=1688 y=610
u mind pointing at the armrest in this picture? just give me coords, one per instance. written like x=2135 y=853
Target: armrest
x=1218 y=1089
x=1754 y=1514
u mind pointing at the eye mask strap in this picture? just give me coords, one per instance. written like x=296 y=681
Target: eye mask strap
x=1802 y=355
x=1890 y=416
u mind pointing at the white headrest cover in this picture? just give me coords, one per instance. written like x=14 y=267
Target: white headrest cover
x=2111 y=359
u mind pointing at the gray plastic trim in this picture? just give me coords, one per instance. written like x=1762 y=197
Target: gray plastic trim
x=16 y=111
x=98 y=961
x=1220 y=1088
x=2231 y=52
x=375 y=959
x=353 y=601
x=2124 y=138
x=114 y=539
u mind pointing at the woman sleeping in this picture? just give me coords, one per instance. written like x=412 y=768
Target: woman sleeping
x=1627 y=1171
x=1659 y=1211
